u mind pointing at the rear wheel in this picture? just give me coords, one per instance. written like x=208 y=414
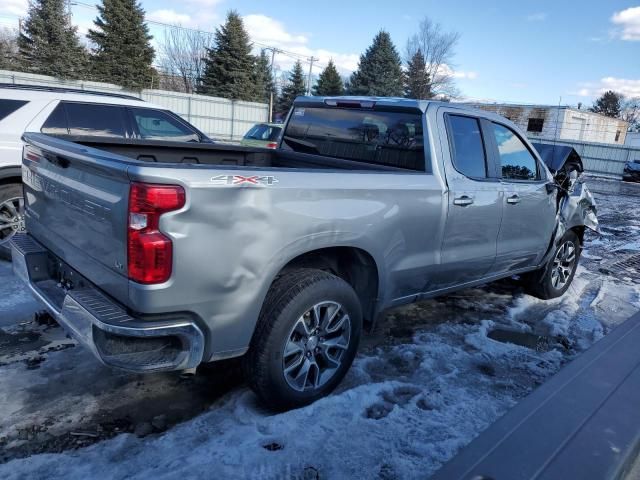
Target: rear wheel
x=555 y=278
x=11 y=216
x=306 y=338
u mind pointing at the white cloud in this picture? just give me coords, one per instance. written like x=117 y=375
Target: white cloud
x=265 y=30
x=14 y=7
x=537 y=17
x=628 y=22
x=459 y=74
x=628 y=87
x=170 y=16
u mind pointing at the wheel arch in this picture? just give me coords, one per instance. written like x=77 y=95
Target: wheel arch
x=354 y=265
x=11 y=174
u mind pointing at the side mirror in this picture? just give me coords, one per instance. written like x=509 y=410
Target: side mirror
x=551 y=187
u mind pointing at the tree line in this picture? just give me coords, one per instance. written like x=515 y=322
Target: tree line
x=220 y=64
x=616 y=105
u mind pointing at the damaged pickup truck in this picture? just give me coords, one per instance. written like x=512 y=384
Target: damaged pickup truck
x=163 y=256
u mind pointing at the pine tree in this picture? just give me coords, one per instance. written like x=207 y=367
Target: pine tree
x=329 y=82
x=379 y=70
x=295 y=86
x=48 y=44
x=263 y=79
x=609 y=104
x=418 y=83
x=123 y=53
x=229 y=66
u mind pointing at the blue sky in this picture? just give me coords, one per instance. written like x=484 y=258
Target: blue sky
x=519 y=51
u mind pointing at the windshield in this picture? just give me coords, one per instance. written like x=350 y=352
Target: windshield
x=267 y=133
x=390 y=138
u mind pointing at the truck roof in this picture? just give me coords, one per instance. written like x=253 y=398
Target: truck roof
x=383 y=101
x=398 y=102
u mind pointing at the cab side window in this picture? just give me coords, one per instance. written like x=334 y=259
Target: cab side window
x=467 y=145
x=516 y=161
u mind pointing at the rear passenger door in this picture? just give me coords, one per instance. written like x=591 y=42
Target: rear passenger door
x=529 y=211
x=474 y=199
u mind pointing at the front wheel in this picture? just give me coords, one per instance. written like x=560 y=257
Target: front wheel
x=554 y=279
x=306 y=338
x=11 y=216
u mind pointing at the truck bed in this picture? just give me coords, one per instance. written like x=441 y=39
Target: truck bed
x=163 y=152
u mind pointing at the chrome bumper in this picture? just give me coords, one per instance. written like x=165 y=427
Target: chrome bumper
x=102 y=325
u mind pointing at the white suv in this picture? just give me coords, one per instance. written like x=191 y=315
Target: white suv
x=60 y=111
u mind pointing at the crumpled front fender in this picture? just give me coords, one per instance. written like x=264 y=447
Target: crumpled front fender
x=578 y=208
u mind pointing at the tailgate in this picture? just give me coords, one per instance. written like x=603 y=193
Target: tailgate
x=76 y=202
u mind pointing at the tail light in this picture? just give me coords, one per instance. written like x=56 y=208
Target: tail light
x=149 y=251
x=272 y=145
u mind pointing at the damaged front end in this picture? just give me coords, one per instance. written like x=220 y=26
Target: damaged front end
x=576 y=207
x=575 y=204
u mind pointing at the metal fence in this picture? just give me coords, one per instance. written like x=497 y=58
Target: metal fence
x=599 y=158
x=219 y=118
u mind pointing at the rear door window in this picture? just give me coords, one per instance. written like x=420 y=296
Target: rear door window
x=158 y=125
x=516 y=161
x=96 y=120
x=465 y=139
x=7 y=107
x=389 y=138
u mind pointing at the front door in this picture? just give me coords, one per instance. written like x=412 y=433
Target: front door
x=474 y=201
x=529 y=211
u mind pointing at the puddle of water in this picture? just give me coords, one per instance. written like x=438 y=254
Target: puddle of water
x=539 y=343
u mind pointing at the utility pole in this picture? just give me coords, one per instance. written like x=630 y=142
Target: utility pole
x=310 y=60
x=273 y=59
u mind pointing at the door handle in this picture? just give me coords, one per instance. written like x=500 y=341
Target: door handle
x=463 y=201
x=513 y=199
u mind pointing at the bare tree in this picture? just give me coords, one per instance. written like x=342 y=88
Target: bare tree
x=630 y=112
x=181 y=57
x=438 y=49
x=9 y=56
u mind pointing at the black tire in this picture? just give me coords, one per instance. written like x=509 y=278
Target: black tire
x=290 y=301
x=544 y=283
x=8 y=192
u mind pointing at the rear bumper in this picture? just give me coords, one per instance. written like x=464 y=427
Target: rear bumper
x=99 y=323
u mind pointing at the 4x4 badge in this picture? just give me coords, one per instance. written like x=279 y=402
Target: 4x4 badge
x=242 y=180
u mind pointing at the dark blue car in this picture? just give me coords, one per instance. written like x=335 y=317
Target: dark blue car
x=631 y=171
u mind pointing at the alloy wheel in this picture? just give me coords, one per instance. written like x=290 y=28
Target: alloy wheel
x=316 y=345
x=11 y=218
x=564 y=264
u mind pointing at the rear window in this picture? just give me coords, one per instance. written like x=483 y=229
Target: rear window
x=95 y=120
x=7 y=107
x=264 y=132
x=389 y=138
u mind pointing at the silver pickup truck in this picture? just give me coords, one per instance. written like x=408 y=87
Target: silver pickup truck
x=163 y=256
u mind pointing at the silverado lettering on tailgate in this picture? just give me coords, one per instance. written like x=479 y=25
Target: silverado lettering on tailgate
x=63 y=194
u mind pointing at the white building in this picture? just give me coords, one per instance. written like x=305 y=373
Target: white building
x=562 y=123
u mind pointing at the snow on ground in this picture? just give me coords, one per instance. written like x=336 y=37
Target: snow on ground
x=429 y=379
